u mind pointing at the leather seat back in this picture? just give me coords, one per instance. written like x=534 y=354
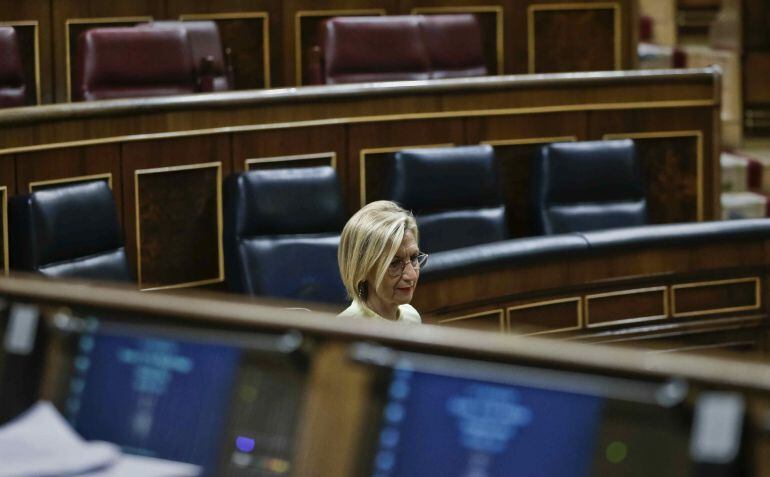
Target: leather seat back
x=454 y=194
x=362 y=49
x=281 y=233
x=588 y=185
x=13 y=90
x=133 y=62
x=205 y=46
x=68 y=231
x=454 y=45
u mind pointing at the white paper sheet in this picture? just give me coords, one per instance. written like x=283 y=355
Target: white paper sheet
x=41 y=443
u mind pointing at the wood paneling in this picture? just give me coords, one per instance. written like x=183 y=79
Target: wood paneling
x=593 y=26
x=488 y=320
x=625 y=306
x=175 y=236
x=720 y=296
x=558 y=314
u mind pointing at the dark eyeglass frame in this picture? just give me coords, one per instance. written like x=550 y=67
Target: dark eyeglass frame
x=417 y=262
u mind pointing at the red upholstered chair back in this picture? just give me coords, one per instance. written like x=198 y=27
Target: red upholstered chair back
x=133 y=62
x=361 y=49
x=13 y=90
x=205 y=47
x=454 y=45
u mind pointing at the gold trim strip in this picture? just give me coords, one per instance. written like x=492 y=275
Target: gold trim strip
x=107 y=175
x=265 y=16
x=382 y=150
x=636 y=291
x=331 y=155
x=698 y=156
x=532 y=9
x=183 y=285
x=757 y=297
x=321 y=13
x=529 y=140
x=6 y=246
x=88 y=21
x=538 y=304
x=36 y=26
x=160 y=170
x=499 y=25
x=368 y=119
x=499 y=312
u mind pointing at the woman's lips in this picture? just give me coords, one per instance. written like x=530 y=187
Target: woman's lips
x=404 y=289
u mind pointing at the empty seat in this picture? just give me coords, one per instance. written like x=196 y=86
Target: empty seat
x=361 y=49
x=580 y=186
x=454 y=45
x=205 y=45
x=133 y=62
x=13 y=90
x=281 y=233
x=454 y=194
x=393 y=48
x=68 y=231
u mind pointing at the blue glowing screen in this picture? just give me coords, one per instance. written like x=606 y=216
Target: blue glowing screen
x=448 y=426
x=156 y=397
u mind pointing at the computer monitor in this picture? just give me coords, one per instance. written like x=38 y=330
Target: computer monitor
x=228 y=403
x=458 y=418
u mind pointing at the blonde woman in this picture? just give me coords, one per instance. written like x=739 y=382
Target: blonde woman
x=380 y=262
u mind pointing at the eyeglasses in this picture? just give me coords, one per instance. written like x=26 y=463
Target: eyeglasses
x=397 y=266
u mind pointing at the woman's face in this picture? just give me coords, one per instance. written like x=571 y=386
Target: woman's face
x=398 y=290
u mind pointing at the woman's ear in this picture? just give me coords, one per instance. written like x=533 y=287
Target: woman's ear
x=363 y=290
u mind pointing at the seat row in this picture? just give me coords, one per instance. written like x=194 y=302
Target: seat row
x=173 y=57
x=152 y=59
x=281 y=226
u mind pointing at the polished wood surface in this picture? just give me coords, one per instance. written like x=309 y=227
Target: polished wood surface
x=357 y=128
x=655 y=291
x=339 y=390
x=270 y=39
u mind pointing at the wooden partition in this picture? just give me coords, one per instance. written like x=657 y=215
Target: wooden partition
x=709 y=293
x=165 y=157
x=336 y=425
x=269 y=39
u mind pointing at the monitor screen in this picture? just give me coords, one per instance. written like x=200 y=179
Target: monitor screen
x=223 y=406
x=450 y=423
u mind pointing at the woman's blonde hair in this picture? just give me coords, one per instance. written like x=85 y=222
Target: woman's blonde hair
x=369 y=242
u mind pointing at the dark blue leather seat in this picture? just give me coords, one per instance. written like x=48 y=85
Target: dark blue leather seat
x=281 y=233
x=592 y=185
x=454 y=194
x=68 y=231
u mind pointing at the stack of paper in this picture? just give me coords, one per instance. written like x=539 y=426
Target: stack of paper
x=40 y=443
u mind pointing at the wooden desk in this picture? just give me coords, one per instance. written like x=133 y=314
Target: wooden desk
x=165 y=157
x=334 y=431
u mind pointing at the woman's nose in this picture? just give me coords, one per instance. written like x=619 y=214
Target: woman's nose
x=410 y=272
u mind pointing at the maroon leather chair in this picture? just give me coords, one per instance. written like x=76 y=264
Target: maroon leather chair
x=454 y=45
x=133 y=62
x=362 y=49
x=206 y=51
x=13 y=90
